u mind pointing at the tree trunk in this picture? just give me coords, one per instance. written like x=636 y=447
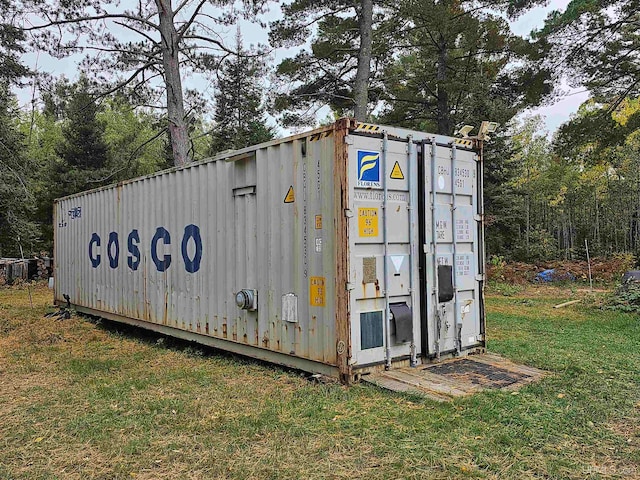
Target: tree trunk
x=528 y=217
x=361 y=84
x=178 y=133
x=444 y=122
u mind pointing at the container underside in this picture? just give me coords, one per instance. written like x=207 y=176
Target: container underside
x=366 y=372
x=225 y=345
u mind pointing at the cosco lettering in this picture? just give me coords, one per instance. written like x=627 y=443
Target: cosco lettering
x=158 y=246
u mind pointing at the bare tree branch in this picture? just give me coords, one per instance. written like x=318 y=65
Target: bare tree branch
x=90 y=18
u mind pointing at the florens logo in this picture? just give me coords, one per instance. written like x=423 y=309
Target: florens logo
x=368 y=169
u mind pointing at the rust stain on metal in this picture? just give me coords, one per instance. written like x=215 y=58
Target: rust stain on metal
x=224 y=330
x=165 y=313
x=341 y=227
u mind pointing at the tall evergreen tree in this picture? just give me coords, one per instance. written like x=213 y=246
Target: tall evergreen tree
x=350 y=40
x=17 y=200
x=239 y=107
x=17 y=179
x=79 y=158
x=595 y=44
x=83 y=147
x=456 y=66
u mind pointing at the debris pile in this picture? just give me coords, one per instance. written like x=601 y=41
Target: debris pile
x=603 y=270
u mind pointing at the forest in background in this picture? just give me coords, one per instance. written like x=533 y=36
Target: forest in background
x=428 y=65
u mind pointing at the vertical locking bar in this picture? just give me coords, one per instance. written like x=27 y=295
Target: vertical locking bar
x=385 y=237
x=434 y=245
x=457 y=318
x=413 y=221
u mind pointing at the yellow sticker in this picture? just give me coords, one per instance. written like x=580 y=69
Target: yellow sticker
x=318 y=222
x=396 y=172
x=316 y=291
x=368 y=222
x=290 y=197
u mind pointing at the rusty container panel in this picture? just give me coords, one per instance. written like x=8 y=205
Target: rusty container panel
x=170 y=251
x=322 y=251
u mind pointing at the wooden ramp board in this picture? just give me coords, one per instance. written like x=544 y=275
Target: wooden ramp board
x=456 y=377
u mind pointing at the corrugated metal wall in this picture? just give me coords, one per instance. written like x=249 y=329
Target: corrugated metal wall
x=302 y=221
x=128 y=249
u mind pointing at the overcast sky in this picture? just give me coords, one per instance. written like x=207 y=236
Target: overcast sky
x=554 y=114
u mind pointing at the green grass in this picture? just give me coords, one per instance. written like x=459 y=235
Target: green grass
x=80 y=401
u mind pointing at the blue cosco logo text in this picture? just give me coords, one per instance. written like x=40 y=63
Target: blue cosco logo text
x=191 y=265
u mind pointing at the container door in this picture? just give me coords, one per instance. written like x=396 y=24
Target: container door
x=383 y=238
x=451 y=284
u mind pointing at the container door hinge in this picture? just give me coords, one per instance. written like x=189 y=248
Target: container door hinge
x=425 y=248
x=348 y=213
x=349 y=286
x=348 y=140
x=478 y=218
x=480 y=277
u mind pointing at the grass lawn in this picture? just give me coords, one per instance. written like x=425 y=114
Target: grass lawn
x=80 y=401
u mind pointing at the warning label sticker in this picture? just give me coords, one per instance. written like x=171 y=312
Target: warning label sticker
x=396 y=172
x=368 y=222
x=317 y=292
x=290 y=197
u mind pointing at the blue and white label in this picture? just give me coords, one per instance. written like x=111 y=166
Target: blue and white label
x=368 y=169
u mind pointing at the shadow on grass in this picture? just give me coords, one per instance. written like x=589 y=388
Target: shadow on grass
x=190 y=348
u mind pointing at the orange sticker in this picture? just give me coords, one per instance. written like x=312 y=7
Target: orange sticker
x=316 y=292
x=368 y=222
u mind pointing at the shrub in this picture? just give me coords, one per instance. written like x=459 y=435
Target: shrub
x=625 y=298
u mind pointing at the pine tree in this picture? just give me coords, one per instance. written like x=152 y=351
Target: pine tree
x=350 y=42
x=239 y=110
x=80 y=153
x=595 y=44
x=452 y=69
x=83 y=147
x=17 y=200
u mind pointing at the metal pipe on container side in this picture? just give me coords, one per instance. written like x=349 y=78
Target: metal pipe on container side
x=482 y=250
x=413 y=220
x=385 y=238
x=457 y=319
x=434 y=243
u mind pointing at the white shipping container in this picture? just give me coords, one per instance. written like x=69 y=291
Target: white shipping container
x=338 y=251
